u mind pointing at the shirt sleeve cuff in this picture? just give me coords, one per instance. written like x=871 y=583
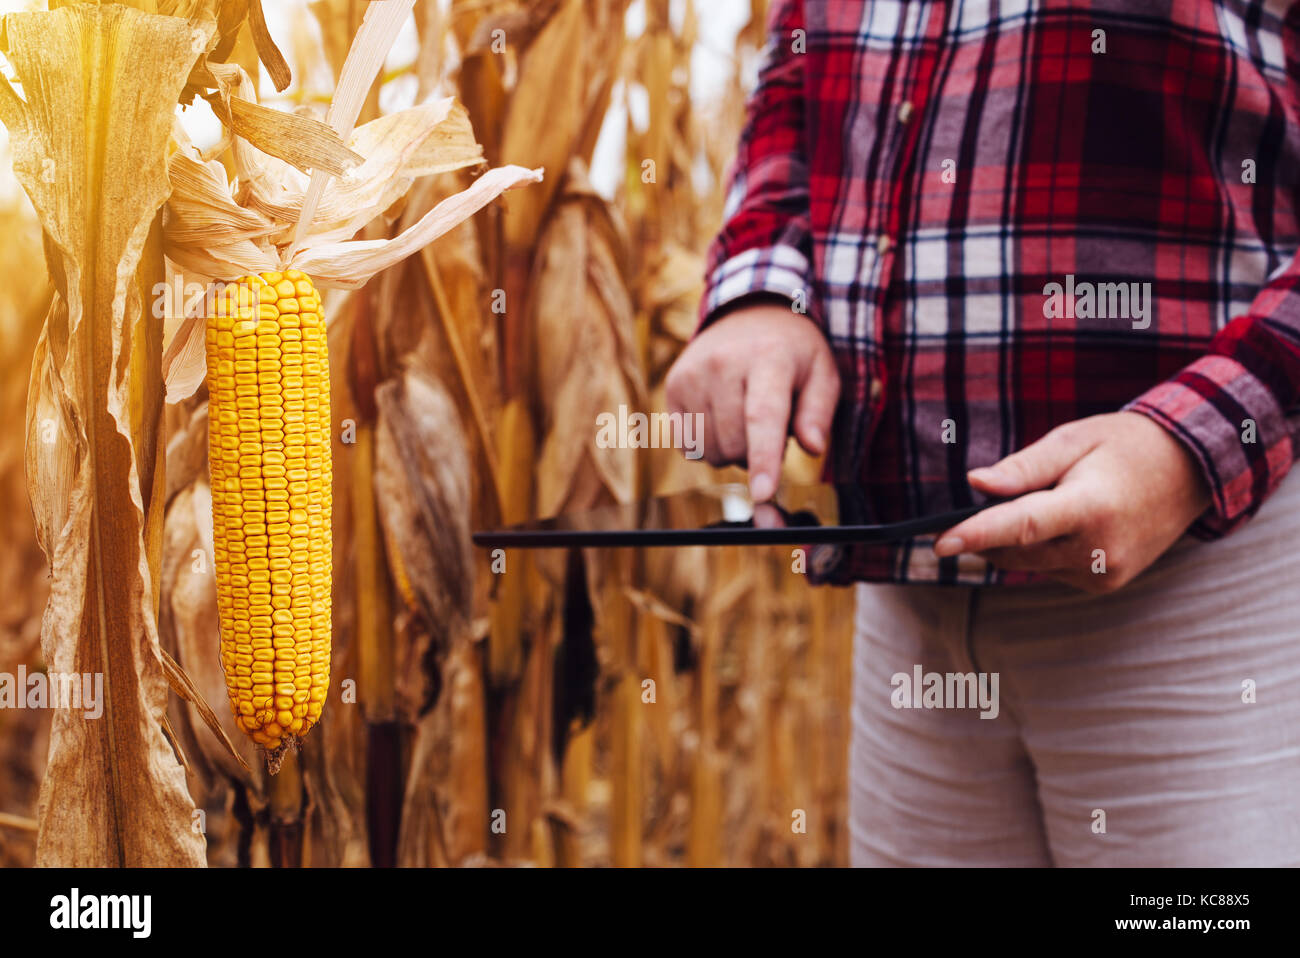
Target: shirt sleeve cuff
x=1234 y=428
x=775 y=270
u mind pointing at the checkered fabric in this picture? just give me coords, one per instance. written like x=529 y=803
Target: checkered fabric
x=1009 y=215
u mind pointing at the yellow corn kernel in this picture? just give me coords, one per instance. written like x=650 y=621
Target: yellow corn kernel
x=270 y=466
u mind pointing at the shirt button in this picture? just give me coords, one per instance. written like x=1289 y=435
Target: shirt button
x=825 y=558
x=904 y=111
x=877 y=389
x=883 y=245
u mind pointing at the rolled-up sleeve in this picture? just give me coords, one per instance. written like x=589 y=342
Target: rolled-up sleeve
x=765 y=243
x=1236 y=408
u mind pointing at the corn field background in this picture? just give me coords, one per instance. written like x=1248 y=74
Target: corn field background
x=656 y=707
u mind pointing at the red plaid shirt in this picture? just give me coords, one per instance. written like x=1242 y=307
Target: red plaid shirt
x=917 y=174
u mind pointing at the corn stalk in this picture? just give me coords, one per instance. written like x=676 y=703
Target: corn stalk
x=89 y=148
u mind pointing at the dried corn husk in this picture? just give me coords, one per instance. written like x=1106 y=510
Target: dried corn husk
x=271 y=215
x=422 y=490
x=587 y=369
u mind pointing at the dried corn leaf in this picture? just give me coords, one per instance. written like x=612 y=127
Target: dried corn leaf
x=586 y=357
x=422 y=492
x=464 y=355
x=430 y=138
x=379 y=28
x=101 y=83
x=349 y=265
x=297 y=140
x=421 y=841
x=672 y=293
x=184 y=686
x=208 y=234
x=482 y=87
x=201 y=210
x=231 y=15
x=267 y=51
x=545 y=115
x=188 y=619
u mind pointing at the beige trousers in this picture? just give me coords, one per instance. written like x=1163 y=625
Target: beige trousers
x=1155 y=726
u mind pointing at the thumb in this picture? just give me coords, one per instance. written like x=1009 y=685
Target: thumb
x=815 y=408
x=1038 y=465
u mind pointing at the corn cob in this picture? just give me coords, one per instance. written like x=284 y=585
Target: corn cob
x=271 y=472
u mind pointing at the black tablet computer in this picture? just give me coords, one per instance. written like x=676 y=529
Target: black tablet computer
x=725 y=515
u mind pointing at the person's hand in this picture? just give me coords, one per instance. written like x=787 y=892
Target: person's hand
x=744 y=373
x=1118 y=483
